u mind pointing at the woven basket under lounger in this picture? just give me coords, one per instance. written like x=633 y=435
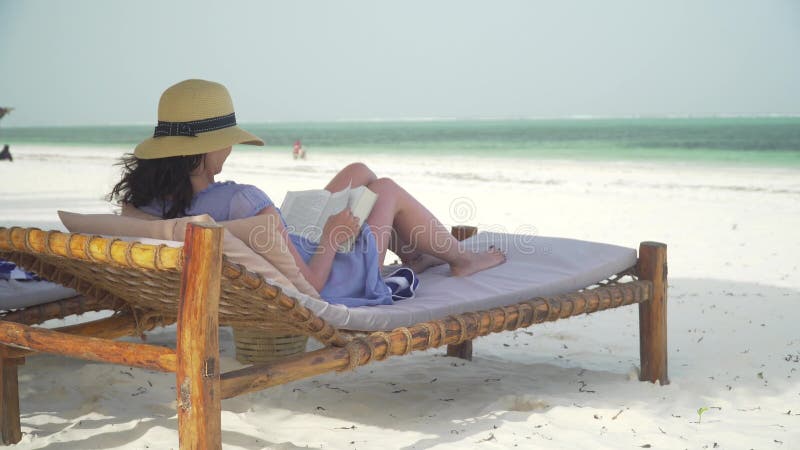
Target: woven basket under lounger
x=195 y=286
x=258 y=346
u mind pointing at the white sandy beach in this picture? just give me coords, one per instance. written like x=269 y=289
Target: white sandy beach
x=734 y=339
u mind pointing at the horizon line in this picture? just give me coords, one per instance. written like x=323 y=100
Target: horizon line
x=575 y=117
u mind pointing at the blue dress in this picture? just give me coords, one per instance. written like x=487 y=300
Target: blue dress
x=355 y=278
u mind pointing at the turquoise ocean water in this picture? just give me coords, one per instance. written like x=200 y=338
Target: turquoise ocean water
x=771 y=141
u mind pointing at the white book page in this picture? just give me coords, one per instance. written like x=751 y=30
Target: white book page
x=336 y=203
x=302 y=211
x=361 y=202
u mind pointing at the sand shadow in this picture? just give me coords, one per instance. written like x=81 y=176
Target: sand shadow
x=720 y=344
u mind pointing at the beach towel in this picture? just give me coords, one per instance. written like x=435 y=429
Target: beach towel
x=403 y=283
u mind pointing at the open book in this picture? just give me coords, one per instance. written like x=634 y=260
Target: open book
x=306 y=212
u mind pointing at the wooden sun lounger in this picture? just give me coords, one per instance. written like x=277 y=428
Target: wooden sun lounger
x=195 y=286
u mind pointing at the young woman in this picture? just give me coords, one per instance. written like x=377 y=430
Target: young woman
x=173 y=174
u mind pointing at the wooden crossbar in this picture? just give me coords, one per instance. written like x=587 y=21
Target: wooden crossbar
x=94 y=349
x=108 y=328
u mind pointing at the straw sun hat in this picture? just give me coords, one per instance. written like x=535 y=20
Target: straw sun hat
x=194 y=117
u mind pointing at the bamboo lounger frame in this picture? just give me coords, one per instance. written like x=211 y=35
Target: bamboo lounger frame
x=198 y=288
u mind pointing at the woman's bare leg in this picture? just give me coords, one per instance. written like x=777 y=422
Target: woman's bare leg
x=358 y=174
x=354 y=175
x=397 y=209
x=410 y=256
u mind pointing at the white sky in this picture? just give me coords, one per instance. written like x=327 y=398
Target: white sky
x=106 y=62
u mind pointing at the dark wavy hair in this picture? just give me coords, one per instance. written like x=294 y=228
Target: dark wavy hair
x=165 y=180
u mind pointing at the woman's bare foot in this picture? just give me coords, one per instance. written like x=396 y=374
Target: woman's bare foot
x=421 y=261
x=474 y=262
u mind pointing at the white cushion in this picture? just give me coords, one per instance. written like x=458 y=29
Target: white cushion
x=535 y=267
x=22 y=294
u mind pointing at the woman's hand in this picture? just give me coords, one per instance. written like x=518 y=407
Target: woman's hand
x=340 y=228
x=317 y=269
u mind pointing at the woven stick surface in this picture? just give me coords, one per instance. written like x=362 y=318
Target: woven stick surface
x=146 y=278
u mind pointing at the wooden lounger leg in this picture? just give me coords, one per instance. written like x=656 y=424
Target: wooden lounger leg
x=9 y=400
x=199 y=409
x=464 y=349
x=653 y=314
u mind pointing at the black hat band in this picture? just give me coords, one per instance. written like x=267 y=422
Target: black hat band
x=195 y=126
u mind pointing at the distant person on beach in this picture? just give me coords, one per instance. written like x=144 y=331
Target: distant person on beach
x=298 y=151
x=173 y=174
x=6 y=154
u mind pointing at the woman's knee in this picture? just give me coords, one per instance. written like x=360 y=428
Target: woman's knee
x=383 y=184
x=360 y=171
x=353 y=175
